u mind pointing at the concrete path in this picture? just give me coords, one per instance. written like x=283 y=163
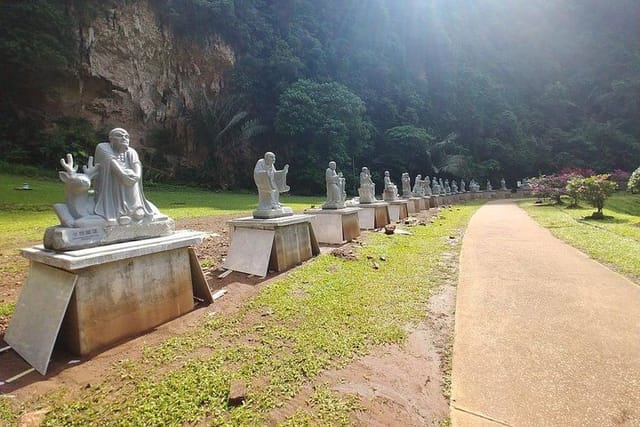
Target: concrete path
x=544 y=335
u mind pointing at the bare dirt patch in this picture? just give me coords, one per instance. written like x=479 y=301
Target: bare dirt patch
x=396 y=385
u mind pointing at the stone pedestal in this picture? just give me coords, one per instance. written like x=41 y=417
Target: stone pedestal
x=435 y=201
x=398 y=210
x=335 y=226
x=111 y=293
x=260 y=245
x=426 y=203
x=373 y=215
x=414 y=205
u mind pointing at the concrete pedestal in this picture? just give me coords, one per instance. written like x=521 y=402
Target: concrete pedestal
x=260 y=245
x=414 y=205
x=335 y=226
x=373 y=215
x=435 y=201
x=426 y=202
x=115 y=292
x=398 y=210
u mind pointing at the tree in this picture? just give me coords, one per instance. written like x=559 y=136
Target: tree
x=324 y=122
x=594 y=189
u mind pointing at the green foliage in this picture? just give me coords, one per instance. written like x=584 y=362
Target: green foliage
x=594 y=189
x=325 y=121
x=634 y=182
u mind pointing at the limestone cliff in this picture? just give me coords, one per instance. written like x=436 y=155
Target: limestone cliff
x=135 y=72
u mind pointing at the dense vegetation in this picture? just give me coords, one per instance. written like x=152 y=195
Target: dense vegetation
x=480 y=89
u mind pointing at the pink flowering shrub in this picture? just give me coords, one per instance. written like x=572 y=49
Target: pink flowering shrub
x=621 y=178
x=594 y=189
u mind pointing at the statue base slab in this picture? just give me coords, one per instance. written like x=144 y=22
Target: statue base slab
x=333 y=206
x=398 y=210
x=112 y=293
x=272 y=213
x=335 y=226
x=258 y=245
x=59 y=238
x=373 y=215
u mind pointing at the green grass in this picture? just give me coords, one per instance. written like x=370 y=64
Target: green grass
x=24 y=215
x=614 y=240
x=321 y=315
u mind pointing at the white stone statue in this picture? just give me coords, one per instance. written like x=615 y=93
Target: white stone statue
x=474 y=186
x=418 y=186
x=270 y=183
x=443 y=191
x=435 y=187
x=117 y=211
x=447 y=187
x=406 y=185
x=463 y=185
x=454 y=187
x=489 y=186
x=426 y=186
x=118 y=183
x=367 y=190
x=503 y=185
x=335 y=188
x=390 y=189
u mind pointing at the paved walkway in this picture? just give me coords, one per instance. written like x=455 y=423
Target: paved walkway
x=544 y=335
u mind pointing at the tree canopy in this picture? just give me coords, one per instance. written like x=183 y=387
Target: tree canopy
x=461 y=88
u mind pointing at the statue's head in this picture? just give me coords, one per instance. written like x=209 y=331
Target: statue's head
x=119 y=139
x=365 y=169
x=386 y=173
x=269 y=158
x=332 y=165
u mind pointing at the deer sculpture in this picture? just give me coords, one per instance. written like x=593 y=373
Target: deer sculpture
x=78 y=211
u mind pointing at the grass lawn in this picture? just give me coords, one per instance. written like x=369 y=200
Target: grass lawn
x=321 y=315
x=614 y=240
x=24 y=215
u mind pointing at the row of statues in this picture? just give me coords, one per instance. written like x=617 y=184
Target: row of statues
x=115 y=175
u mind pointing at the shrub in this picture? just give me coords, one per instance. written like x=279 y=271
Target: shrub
x=620 y=177
x=634 y=182
x=594 y=189
x=548 y=186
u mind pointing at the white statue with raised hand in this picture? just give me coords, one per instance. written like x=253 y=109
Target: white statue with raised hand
x=270 y=183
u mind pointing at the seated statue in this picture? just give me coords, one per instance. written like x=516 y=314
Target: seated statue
x=270 y=183
x=390 y=189
x=406 y=185
x=454 y=187
x=367 y=188
x=489 y=187
x=119 y=196
x=117 y=211
x=335 y=188
x=418 y=186
x=447 y=187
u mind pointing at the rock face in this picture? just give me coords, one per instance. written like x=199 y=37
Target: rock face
x=135 y=72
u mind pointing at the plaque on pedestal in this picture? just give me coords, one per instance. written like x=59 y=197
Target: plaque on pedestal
x=258 y=245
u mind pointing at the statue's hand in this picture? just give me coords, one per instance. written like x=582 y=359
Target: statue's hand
x=286 y=168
